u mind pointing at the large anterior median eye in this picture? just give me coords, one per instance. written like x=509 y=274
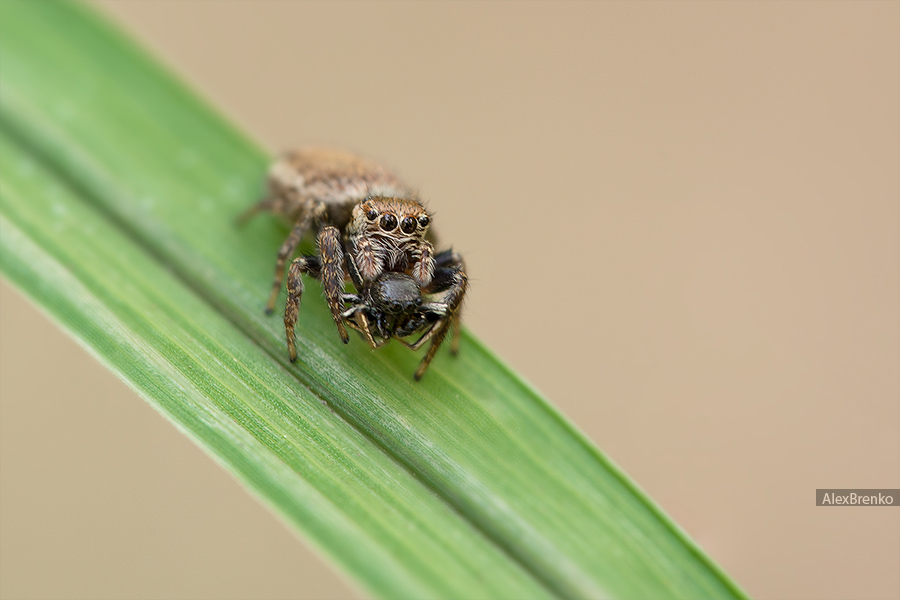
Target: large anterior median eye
x=388 y=222
x=408 y=225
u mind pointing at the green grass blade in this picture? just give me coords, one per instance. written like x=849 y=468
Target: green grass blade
x=119 y=192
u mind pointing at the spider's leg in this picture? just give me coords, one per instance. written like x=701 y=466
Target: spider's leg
x=331 y=256
x=449 y=258
x=282 y=194
x=312 y=212
x=457 y=282
x=437 y=336
x=362 y=325
x=350 y=314
x=455 y=332
x=356 y=316
x=451 y=280
x=351 y=299
x=425 y=336
x=300 y=265
x=267 y=204
x=353 y=270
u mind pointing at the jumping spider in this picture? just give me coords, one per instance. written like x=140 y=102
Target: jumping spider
x=373 y=231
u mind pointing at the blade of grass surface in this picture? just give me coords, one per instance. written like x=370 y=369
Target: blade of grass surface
x=151 y=163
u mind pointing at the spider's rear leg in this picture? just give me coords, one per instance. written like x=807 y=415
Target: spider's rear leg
x=270 y=203
x=312 y=213
x=308 y=265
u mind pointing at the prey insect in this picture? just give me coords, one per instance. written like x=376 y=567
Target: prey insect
x=372 y=231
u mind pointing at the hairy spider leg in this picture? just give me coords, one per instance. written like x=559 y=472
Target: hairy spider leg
x=425 y=336
x=264 y=205
x=328 y=268
x=280 y=198
x=302 y=264
x=449 y=278
x=331 y=255
x=448 y=259
x=311 y=214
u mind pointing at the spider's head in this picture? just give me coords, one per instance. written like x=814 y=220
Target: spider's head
x=403 y=220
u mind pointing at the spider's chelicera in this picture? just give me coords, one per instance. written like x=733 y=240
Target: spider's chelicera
x=373 y=231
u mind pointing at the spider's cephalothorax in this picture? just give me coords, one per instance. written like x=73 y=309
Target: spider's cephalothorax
x=372 y=230
x=388 y=234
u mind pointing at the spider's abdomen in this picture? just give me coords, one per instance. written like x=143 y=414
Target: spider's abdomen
x=339 y=179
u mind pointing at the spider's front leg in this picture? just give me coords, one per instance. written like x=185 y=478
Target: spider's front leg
x=308 y=265
x=331 y=255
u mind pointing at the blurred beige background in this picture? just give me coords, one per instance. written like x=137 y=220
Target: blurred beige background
x=682 y=223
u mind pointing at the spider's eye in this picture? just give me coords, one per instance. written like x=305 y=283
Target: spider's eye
x=372 y=214
x=424 y=221
x=388 y=222
x=408 y=225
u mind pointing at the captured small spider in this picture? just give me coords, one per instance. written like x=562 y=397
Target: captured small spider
x=373 y=231
x=393 y=307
